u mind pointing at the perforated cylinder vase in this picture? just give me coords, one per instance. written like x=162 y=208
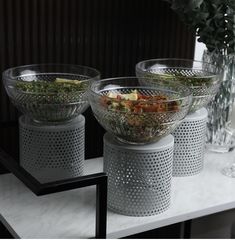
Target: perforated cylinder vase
x=190 y=137
x=139 y=176
x=52 y=152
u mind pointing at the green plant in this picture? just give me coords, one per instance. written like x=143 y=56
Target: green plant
x=212 y=20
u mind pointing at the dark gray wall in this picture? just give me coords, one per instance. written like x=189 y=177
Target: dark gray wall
x=110 y=35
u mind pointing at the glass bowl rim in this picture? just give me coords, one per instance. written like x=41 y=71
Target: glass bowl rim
x=218 y=72
x=6 y=77
x=176 y=83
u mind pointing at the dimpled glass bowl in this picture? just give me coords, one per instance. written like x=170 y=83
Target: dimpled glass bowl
x=139 y=121
x=32 y=89
x=203 y=78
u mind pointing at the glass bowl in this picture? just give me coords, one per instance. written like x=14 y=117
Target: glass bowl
x=49 y=92
x=139 y=114
x=203 y=78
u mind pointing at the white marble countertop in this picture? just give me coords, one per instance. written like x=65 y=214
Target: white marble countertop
x=71 y=214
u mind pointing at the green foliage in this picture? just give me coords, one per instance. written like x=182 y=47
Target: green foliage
x=212 y=20
x=47 y=87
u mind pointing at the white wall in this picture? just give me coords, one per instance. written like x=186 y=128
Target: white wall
x=199 y=48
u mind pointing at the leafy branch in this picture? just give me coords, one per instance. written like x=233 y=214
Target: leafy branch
x=212 y=20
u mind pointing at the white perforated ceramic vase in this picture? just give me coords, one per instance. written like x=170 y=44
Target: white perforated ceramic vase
x=52 y=152
x=190 y=137
x=139 y=176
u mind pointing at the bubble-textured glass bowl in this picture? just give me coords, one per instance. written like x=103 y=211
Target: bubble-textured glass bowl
x=49 y=92
x=203 y=78
x=139 y=114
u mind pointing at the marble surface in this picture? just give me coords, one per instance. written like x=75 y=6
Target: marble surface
x=71 y=214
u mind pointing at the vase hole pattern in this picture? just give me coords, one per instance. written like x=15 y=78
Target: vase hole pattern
x=51 y=155
x=189 y=147
x=139 y=184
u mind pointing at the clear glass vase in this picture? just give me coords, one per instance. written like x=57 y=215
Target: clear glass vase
x=220 y=108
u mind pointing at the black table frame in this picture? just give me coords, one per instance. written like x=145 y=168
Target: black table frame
x=97 y=179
